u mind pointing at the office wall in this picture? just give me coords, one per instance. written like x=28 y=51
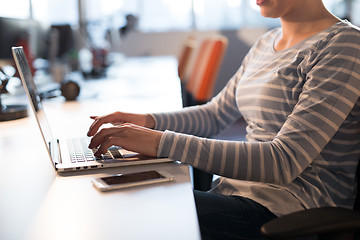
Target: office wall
x=170 y=43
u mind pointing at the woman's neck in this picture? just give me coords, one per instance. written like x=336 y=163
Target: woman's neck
x=301 y=25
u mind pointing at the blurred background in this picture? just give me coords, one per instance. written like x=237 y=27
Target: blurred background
x=80 y=35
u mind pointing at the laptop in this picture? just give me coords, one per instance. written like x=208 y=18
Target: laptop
x=72 y=154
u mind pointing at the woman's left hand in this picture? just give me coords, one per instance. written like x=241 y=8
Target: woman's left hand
x=128 y=136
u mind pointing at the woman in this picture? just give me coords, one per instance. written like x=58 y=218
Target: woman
x=298 y=90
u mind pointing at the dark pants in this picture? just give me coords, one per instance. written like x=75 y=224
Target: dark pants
x=230 y=217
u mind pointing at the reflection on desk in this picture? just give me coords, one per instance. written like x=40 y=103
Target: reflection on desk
x=36 y=203
x=154 y=80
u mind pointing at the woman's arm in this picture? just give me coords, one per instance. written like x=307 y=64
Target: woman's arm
x=204 y=120
x=331 y=90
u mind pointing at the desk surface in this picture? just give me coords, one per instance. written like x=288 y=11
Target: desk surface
x=36 y=203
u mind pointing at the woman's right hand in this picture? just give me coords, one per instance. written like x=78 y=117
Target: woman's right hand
x=117 y=118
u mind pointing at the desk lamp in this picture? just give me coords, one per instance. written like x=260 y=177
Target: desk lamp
x=9 y=112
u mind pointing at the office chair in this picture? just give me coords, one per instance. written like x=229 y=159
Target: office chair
x=184 y=58
x=326 y=223
x=198 y=88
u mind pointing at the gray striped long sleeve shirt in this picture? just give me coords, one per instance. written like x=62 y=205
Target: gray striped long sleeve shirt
x=302 y=110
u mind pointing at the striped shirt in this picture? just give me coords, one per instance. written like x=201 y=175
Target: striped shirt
x=302 y=110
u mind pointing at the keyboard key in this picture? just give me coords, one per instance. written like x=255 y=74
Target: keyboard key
x=79 y=151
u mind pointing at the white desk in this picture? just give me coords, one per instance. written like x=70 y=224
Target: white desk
x=36 y=203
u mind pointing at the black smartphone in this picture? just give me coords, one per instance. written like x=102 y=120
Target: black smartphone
x=131 y=180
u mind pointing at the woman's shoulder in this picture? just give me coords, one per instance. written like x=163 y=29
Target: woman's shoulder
x=347 y=26
x=341 y=35
x=345 y=31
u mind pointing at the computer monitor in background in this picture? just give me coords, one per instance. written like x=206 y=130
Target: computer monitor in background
x=39 y=41
x=33 y=36
x=16 y=31
x=65 y=42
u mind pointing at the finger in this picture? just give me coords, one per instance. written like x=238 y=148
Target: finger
x=91 y=128
x=103 y=135
x=106 y=144
x=98 y=122
x=94 y=127
x=127 y=136
x=98 y=138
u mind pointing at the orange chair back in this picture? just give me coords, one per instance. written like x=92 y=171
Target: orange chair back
x=205 y=70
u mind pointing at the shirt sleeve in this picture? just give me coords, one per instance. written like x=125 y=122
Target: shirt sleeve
x=204 y=120
x=330 y=92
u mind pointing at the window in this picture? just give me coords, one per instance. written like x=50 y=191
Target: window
x=162 y=15
x=168 y=15
x=11 y=9
x=229 y=14
x=62 y=12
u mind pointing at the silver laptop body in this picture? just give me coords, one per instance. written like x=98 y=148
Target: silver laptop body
x=66 y=155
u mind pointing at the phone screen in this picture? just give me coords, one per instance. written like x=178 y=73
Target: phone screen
x=132 y=177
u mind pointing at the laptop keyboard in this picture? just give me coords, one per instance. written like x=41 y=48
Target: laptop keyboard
x=79 y=151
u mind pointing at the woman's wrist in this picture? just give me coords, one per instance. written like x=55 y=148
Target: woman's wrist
x=149 y=121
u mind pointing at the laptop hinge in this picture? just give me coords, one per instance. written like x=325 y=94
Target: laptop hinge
x=59 y=151
x=55 y=152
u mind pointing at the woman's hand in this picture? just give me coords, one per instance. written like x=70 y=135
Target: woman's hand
x=129 y=136
x=117 y=118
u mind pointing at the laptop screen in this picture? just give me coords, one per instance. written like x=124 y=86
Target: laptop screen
x=32 y=93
